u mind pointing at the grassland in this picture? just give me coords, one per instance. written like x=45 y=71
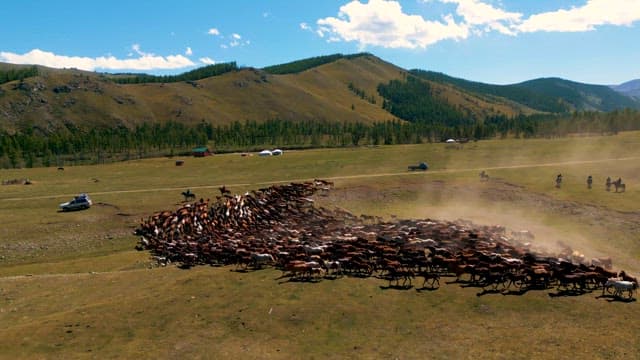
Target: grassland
x=71 y=285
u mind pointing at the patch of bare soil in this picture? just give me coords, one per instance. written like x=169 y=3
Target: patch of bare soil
x=627 y=222
x=602 y=231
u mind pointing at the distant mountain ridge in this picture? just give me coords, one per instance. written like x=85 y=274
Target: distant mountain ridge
x=342 y=88
x=545 y=94
x=629 y=88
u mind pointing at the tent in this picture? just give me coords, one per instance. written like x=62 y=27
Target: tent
x=265 y=153
x=276 y=152
x=450 y=141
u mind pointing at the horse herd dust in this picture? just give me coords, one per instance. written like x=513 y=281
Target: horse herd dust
x=281 y=226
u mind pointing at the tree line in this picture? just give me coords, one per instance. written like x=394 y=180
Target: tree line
x=74 y=145
x=298 y=66
x=193 y=75
x=18 y=73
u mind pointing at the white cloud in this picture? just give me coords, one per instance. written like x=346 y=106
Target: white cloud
x=188 y=52
x=213 y=31
x=477 y=13
x=136 y=48
x=585 y=18
x=207 y=60
x=236 y=36
x=144 y=62
x=382 y=23
x=305 y=26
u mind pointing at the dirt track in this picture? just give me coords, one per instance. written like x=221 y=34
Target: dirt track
x=403 y=173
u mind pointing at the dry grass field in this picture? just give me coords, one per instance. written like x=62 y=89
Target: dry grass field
x=72 y=285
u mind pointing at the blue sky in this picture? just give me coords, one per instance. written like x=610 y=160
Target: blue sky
x=494 y=41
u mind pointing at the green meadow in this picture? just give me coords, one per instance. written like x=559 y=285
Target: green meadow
x=72 y=285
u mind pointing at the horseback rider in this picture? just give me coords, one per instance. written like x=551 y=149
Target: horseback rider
x=558 y=180
x=589 y=181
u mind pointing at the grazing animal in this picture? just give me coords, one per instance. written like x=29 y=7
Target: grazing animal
x=484 y=176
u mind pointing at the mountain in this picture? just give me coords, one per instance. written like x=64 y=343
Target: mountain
x=629 y=88
x=343 y=88
x=579 y=96
x=546 y=94
x=333 y=88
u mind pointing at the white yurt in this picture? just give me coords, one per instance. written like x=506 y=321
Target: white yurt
x=276 y=152
x=265 y=153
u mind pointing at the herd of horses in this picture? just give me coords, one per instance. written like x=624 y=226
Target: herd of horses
x=281 y=227
x=400 y=266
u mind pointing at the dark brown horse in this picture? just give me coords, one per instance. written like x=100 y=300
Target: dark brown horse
x=619 y=185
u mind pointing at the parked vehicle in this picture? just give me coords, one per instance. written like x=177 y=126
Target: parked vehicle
x=422 y=166
x=80 y=202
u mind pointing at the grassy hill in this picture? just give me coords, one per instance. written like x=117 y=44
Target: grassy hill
x=321 y=89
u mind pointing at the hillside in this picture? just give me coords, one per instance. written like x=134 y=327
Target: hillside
x=343 y=89
x=547 y=94
x=581 y=96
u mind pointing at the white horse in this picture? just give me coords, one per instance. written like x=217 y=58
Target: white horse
x=620 y=287
x=258 y=260
x=334 y=268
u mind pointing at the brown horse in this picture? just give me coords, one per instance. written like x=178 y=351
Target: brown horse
x=619 y=185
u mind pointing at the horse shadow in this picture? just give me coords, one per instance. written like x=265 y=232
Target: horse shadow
x=518 y=292
x=568 y=292
x=488 y=291
x=427 y=288
x=298 y=279
x=613 y=298
x=396 y=287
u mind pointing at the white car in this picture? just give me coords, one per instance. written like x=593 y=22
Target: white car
x=80 y=202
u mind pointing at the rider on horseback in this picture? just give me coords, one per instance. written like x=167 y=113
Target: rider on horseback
x=558 y=180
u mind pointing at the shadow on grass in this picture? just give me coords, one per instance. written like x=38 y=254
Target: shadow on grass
x=489 y=291
x=613 y=298
x=291 y=279
x=518 y=292
x=427 y=288
x=569 y=292
x=397 y=287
